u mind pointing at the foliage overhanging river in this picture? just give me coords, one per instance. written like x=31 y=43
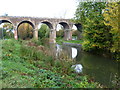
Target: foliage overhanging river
x=101 y=69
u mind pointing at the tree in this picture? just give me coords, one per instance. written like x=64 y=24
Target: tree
x=96 y=34
x=7 y=31
x=60 y=33
x=43 y=31
x=112 y=18
x=25 y=31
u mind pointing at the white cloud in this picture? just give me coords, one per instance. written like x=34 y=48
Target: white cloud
x=39 y=8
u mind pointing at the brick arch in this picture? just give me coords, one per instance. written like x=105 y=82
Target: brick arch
x=49 y=24
x=79 y=26
x=65 y=25
x=26 y=21
x=6 y=21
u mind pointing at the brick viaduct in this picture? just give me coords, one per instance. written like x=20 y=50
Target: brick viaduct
x=35 y=21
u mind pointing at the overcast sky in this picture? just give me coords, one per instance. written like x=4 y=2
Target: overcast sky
x=39 y=8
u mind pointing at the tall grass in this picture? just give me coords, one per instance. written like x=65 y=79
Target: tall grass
x=45 y=60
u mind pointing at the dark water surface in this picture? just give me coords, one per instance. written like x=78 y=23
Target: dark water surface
x=101 y=69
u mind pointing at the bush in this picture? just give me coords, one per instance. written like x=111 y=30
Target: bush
x=60 y=33
x=43 y=31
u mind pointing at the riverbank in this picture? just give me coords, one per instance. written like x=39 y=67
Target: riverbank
x=28 y=65
x=72 y=42
x=78 y=43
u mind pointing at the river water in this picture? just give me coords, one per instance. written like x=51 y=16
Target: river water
x=101 y=69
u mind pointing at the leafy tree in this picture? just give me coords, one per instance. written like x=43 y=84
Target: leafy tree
x=112 y=18
x=60 y=33
x=43 y=31
x=6 y=31
x=75 y=32
x=25 y=31
x=96 y=34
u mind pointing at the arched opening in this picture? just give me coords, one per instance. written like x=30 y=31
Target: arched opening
x=25 y=30
x=76 y=32
x=44 y=31
x=79 y=27
x=61 y=29
x=6 y=29
x=60 y=32
x=65 y=25
x=48 y=24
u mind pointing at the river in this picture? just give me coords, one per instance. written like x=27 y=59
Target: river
x=101 y=69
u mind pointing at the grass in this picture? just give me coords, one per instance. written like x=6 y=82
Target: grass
x=61 y=40
x=74 y=41
x=28 y=65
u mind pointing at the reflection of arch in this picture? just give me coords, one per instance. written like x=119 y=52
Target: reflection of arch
x=48 y=24
x=64 y=24
x=74 y=52
x=79 y=26
x=79 y=53
x=26 y=22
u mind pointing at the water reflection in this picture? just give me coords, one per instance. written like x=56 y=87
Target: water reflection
x=74 y=52
x=70 y=51
x=58 y=50
x=100 y=68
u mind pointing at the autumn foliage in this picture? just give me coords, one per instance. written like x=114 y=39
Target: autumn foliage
x=100 y=21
